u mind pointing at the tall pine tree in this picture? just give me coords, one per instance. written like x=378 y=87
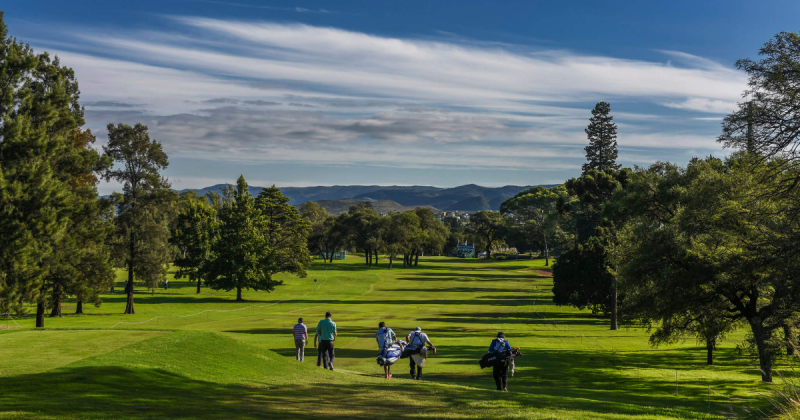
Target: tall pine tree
x=241 y=254
x=143 y=212
x=601 y=152
x=48 y=223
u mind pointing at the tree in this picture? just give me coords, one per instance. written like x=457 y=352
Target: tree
x=601 y=152
x=46 y=169
x=768 y=121
x=715 y=233
x=590 y=281
x=583 y=278
x=362 y=224
x=286 y=232
x=399 y=231
x=433 y=233
x=536 y=206
x=80 y=264
x=143 y=213
x=319 y=238
x=241 y=256
x=489 y=226
x=194 y=233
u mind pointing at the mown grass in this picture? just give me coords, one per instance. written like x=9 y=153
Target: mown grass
x=240 y=363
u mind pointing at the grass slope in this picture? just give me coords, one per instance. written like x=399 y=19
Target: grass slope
x=198 y=361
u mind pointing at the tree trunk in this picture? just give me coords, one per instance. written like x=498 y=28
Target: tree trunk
x=416 y=258
x=710 y=345
x=390 y=261
x=613 y=306
x=488 y=252
x=56 y=312
x=129 y=288
x=79 y=309
x=198 y=285
x=405 y=260
x=376 y=257
x=788 y=334
x=40 y=315
x=546 y=253
x=239 y=294
x=331 y=255
x=366 y=257
x=765 y=356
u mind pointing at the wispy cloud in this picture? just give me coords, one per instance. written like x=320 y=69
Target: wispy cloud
x=277 y=92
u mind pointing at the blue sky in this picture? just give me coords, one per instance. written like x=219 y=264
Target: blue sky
x=439 y=93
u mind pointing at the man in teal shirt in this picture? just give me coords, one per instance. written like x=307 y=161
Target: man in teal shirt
x=326 y=333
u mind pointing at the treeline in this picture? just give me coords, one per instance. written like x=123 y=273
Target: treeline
x=59 y=239
x=696 y=251
x=405 y=235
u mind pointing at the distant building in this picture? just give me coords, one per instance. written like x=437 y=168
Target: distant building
x=336 y=255
x=465 y=251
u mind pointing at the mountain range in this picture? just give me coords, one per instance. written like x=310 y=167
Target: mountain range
x=338 y=198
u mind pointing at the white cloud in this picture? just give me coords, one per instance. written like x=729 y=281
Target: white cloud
x=273 y=92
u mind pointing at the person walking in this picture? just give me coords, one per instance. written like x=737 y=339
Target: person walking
x=300 y=333
x=500 y=370
x=385 y=337
x=326 y=333
x=416 y=340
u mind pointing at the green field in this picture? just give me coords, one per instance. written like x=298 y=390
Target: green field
x=187 y=355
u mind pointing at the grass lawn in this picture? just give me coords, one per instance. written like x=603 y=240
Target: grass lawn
x=188 y=355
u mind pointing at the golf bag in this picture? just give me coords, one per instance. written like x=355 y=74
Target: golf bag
x=492 y=359
x=391 y=354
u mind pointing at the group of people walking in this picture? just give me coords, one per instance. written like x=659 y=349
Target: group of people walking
x=418 y=345
x=325 y=336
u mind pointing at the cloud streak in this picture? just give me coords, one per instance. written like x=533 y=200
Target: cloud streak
x=284 y=92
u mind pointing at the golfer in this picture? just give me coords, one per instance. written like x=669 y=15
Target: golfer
x=416 y=340
x=385 y=337
x=300 y=332
x=500 y=370
x=326 y=333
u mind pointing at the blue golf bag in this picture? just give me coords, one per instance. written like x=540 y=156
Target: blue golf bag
x=388 y=356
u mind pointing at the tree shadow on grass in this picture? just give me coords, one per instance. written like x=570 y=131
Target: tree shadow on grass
x=115 y=392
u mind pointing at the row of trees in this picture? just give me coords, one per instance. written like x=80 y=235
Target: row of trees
x=60 y=239
x=699 y=250
x=408 y=234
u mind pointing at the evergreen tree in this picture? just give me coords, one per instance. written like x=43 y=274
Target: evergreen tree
x=143 y=214
x=80 y=264
x=240 y=258
x=601 y=152
x=49 y=218
x=194 y=233
x=286 y=233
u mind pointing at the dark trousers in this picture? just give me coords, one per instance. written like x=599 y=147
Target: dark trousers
x=500 y=373
x=325 y=354
x=413 y=365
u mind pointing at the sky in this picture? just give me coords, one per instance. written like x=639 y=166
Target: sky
x=443 y=93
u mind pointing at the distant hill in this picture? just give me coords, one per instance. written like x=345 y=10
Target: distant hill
x=337 y=207
x=469 y=197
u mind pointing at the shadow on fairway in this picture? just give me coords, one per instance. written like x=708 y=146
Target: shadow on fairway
x=116 y=392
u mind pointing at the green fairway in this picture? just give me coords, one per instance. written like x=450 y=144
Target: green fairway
x=188 y=355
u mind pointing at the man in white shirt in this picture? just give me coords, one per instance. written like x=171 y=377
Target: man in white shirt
x=417 y=339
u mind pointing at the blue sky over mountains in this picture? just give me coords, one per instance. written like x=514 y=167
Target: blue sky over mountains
x=403 y=92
